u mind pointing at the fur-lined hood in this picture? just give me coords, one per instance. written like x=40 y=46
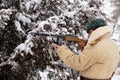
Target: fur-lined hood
x=98 y=33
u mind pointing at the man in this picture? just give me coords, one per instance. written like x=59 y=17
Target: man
x=100 y=56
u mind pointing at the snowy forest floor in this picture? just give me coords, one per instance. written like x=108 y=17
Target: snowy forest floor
x=117 y=73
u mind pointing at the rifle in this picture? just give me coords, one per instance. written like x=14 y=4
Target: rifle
x=69 y=38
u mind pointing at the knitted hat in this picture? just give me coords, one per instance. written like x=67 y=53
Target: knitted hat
x=95 y=23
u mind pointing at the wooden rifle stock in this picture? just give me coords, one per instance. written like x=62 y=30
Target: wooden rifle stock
x=74 y=39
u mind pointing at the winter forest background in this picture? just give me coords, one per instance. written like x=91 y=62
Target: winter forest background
x=28 y=57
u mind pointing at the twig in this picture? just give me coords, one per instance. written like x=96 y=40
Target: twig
x=4 y=64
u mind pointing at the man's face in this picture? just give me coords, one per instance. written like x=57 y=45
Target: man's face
x=89 y=33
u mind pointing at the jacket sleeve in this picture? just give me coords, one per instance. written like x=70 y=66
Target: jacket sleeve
x=79 y=62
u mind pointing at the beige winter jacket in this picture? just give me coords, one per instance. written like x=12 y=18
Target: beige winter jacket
x=99 y=58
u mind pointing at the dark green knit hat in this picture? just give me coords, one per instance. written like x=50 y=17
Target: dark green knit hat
x=95 y=23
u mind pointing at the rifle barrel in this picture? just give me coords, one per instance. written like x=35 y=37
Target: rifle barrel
x=66 y=37
x=51 y=35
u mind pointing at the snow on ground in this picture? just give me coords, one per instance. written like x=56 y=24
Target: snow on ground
x=116 y=76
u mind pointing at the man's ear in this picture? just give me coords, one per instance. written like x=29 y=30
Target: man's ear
x=89 y=33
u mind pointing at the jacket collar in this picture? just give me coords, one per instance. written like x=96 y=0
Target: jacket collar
x=99 y=33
